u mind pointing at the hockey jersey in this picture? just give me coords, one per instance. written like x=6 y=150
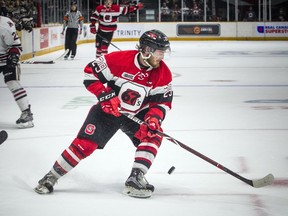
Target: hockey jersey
x=136 y=88
x=9 y=40
x=108 y=17
x=73 y=19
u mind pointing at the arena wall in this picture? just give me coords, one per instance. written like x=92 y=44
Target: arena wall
x=48 y=39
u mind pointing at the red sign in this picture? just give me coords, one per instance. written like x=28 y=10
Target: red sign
x=44 y=39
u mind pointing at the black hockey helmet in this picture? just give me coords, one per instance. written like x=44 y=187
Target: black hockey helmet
x=73 y=3
x=154 y=39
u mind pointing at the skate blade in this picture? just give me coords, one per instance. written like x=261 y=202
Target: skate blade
x=130 y=191
x=29 y=124
x=41 y=189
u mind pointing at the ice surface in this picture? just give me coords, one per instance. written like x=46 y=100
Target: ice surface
x=231 y=104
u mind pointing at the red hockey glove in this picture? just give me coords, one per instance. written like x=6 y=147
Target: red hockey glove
x=139 y=5
x=93 y=29
x=110 y=103
x=148 y=129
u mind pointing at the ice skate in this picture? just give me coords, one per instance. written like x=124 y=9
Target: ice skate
x=66 y=57
x=26 y=119
x=45 y=185
x=72 y=57
x=137 y=186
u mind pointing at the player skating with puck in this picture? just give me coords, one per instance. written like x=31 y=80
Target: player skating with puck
x=136 y=82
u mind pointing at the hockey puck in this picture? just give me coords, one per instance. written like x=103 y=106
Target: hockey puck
x=171 y=170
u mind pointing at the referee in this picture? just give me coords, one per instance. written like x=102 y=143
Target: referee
x=73 y=20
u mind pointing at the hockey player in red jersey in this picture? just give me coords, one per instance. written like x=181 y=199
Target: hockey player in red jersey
x=136 y=82
x=107 y=16
x=10 y=51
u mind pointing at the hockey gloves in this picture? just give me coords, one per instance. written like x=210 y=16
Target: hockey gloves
x=139 y=5
x=12 y=60
x=110 y=103
x=93 y=29
x=148 y=129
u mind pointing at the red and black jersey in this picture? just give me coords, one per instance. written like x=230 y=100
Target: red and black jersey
x=137 y=88
x=108 y=17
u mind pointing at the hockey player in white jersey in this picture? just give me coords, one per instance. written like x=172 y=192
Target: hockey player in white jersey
x=10 y=51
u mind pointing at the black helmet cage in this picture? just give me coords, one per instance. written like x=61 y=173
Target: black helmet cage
x=154 y=39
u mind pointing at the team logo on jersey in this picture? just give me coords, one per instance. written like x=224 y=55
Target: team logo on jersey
x=130 y=97
x=90 y=129
x=107 y=18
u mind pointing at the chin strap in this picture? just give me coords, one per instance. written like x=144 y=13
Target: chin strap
x=146 y=58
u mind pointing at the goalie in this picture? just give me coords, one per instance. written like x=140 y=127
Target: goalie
x=136 y=82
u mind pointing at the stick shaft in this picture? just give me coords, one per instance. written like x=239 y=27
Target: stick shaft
x=189 y=149
x=209 y=160
x=109 y=42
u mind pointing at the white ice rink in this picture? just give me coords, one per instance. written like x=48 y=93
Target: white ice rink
x=230 y=104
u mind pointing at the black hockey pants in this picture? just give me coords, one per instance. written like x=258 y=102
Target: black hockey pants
x=70 y=40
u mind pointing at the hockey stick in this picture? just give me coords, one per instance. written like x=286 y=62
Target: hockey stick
x=104 y=39
x=3 y=136
x=45 y=62
x=267 y=180
x=38 y=62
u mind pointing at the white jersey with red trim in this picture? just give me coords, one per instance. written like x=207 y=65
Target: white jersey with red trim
x=136 y=88
x=108 y=17
x=8 y=39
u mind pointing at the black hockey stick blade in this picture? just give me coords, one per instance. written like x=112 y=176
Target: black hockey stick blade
x=267 y=180
x=3 y=136
x=45 y=62
x=38 y=62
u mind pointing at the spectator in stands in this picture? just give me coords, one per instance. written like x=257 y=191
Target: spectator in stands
x=165 y=12
x=3 y=9
x=281 y=16
x=176 y=13
x=250 y=15
x=196 y=12
x=20 y=13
